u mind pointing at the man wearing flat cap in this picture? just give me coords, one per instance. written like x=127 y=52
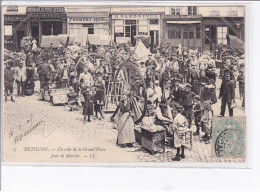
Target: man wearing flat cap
x=227 y=94
x=187 y=102
x=151 y=62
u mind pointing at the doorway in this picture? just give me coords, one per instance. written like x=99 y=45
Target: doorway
x=154 y=34
x=35 y=32
x=20 y=35
x=189 y=36
x=131 y=31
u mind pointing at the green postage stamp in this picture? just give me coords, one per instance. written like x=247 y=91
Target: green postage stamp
x=228 y=137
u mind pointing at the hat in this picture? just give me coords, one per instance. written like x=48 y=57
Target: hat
x=196 y=97
x=188 y=85
x=156 y=82
x=164 y=102
x=71 y=88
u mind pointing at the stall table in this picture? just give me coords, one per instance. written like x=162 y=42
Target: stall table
x=153 y=141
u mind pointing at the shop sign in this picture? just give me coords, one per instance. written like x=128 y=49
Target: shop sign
x=87 y=19
x=14 y=17
x=135 y=16
x=47 y=15
x=45 y=9
x=12 y=9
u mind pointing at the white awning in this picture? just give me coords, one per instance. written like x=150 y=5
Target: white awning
x=183 y=22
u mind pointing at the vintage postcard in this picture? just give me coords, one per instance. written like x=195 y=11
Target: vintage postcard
x=123 y=84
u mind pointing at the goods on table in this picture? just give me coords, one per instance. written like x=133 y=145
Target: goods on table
x=59 y=96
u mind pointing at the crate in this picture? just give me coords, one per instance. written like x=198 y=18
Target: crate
x=153 y=141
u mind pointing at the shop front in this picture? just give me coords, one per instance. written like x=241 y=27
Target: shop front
x=215 y=30
x=14 y=27
x=14 y=31
x=126 y=26
x=46 y=21
x=80 y=25
x=183 y=29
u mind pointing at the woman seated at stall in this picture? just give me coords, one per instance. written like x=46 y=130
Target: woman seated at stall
x=152 y=96
x=163 y=114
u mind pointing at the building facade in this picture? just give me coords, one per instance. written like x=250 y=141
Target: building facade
x=219 y=22
x=183 y=25
x=45 y=21
x=202 y=27
x=14 y=26
x=193 y=26
x=85 y=21
x=126 y=23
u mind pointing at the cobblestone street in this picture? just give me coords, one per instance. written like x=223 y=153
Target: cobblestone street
x=65 y=129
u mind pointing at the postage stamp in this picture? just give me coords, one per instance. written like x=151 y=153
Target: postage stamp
x=228 y=137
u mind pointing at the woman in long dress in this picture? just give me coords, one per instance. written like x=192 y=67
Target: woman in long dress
x=126 y=135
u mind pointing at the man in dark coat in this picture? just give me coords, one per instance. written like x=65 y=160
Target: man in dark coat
x=177 y=91
x=29 y=83
x=43 y=71
x=150 y=62
x=227 y=94
x=9 y=80
x=187 y=102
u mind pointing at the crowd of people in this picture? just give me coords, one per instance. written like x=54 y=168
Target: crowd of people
x=181 y=85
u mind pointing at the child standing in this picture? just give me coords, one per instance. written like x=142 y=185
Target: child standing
x=206 y=119
x=99 y=96
x=197 y=113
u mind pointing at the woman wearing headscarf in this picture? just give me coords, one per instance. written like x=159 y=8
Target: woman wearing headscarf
x=126 y=135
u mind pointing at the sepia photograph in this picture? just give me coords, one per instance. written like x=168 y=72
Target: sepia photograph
x=123 y=84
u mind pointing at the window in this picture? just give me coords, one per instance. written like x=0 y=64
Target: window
x=176 y=11
x=192 y=10
x=8 y=30
x=127 y=31
x=178 y=34
x=185 y=35
x=208 y=34
x=90 y=30
x=221 y=35
x=191 y=35
x=154 y=21
x=174 y=34
x=198 y=32
x=171 y=34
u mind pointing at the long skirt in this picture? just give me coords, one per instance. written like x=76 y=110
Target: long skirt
x=210 y=94
x=88 y=108
x=126 y=132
